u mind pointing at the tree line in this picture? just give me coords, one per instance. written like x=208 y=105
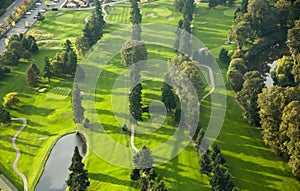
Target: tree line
x=271 y=31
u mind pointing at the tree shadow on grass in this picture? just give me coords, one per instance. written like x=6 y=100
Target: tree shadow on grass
x=109 y=179
x=27 y=109
x=253 y=174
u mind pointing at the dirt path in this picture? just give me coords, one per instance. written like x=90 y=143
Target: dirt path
x=18 y=152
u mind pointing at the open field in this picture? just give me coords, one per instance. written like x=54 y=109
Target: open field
x=252 y=164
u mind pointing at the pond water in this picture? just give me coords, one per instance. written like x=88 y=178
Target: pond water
x=56 y=169
x=269 y=81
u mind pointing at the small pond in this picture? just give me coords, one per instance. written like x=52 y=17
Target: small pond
x=269 y=81
x=56 y=169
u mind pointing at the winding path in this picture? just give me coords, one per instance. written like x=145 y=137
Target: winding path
x=211 y=79
x=136 y=150
x=18 y=152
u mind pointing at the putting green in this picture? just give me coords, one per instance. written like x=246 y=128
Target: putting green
x=59 y=93
x=64 y=18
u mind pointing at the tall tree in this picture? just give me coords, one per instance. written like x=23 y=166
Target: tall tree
x=47 y=69
x=82 y=45
x=143 y=160
x=78 y=177
x=289 y=132
x=235 y=74
x=32 y=75
x=4 y=116
x=168 y=97
x=247 y=97
x=221 y=179
x=78 y=110
x=282 y=74
x=205 y=163
x=293 y=38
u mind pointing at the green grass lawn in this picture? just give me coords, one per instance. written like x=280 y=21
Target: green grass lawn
x=252 y=164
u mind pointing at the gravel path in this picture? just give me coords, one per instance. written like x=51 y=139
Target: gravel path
x=18 y=152
x=211 y=79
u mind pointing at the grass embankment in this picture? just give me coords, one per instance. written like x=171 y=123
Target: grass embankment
x=49 y=117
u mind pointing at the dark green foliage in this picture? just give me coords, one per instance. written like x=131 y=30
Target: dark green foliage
x=32 y=75
x=133 y=51
x=235 y=74
x=221 y=179
x=215 y=152
x=179 y=4
x=177 y=115
x=78 y=110
x=212 y=3
x=135 y=174
x=199 y=140
x=8 y=58
x=219 y=160
x=29 y=44
x=143 y=182
x=293 y=37
x=82 y=45
x=296 y=69
x=86 y=123
x=16 y=48
x=168 y=97
x=4 y=116
x=247 y=97
x=271 y=103
x=205 y=163
x=93 y=30
x=282 y=74
x=223 y=56
x=244 y=6
x=47 y=69
x=143 y=160
x=289 y=132
x=178 y=32
x=40 y=17
x=135 y=13
x=160 y=187
x=135 y=102
x=152 y=174
x=78 y=177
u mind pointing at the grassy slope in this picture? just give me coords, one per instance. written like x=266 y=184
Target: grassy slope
x=48 y=119
x=252 y=164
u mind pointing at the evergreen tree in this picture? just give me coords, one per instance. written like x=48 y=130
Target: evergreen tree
x=143 y=183
x=199 y=139
x=152 y=174
x=4 y=116
x=32 y=75
x=205 y=163
x=215 y=152
x=135 y=174
x=168 y=97
x=244 y=6
x=47 y=69
x=219 y=159
x=143 y=160
x=78 y=110
x=160 y=187
x=78 y=177
x=221 y=179
x=135 y=102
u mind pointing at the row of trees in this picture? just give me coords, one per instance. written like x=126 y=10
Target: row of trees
x=92 y=32
x=144 y=173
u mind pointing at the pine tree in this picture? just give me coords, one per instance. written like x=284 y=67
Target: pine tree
x=135 y=174
x=168 y=97
x=135 y=101
x=143 y=160
x=47 y=69
x=199 y=140
x=4 y=116
x=78 y=110
x=32 y=75
x=215 y=152
x=78 y=177
x=205 y=163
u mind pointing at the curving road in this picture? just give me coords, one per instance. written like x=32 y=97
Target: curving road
x=18 y=152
